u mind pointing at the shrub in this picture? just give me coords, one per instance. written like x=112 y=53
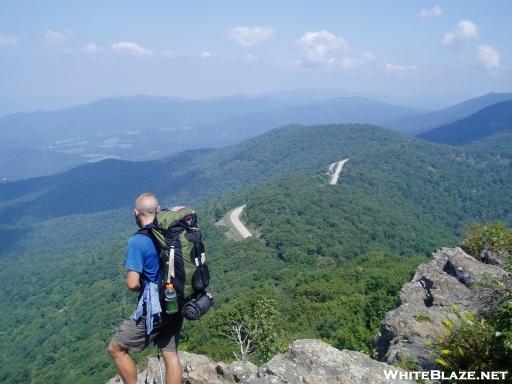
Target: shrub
x=494 y=237
x=476 y=344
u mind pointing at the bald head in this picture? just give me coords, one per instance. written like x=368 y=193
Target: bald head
x=147 y=205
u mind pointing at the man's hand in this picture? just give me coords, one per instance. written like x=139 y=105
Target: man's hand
x=133 y=281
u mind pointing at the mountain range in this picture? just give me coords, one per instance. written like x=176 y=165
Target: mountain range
x=430 y=120
x=151 y=127
x=487 y=122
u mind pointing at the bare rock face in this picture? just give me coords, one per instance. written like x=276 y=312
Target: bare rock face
x=451 y=278
x=200 y=369
x=315 y=362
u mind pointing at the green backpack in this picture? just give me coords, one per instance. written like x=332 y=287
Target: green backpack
x=181 y=251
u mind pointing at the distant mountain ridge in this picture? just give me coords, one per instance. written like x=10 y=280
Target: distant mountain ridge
x=151 y=127
x=423 y=122
x=494 y=119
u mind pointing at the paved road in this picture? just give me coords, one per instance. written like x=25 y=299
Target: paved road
x=339 y=166
x=235 y=219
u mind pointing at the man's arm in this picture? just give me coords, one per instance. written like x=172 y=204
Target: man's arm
x=133 y=281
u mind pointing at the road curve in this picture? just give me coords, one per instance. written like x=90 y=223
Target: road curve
x=335 y=172
x=235 y=219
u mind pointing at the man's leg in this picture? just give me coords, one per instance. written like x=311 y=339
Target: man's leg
x=124 y=363
x=172 y=367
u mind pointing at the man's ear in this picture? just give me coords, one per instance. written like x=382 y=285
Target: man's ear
x=135 y=212
x=158 y=208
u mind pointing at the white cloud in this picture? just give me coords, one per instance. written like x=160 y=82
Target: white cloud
x=131 y=48
x=91 y=48
x=466 y=30
x=205 y=55
x=9 y=40
x=489 y=57
x=58 y=38
x=399 y=68
x=248 y=37
x=323 y=48
x=436 y=11
x=320 y=47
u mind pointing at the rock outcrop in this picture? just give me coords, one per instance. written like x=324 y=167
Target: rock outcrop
x=315 y=362
x=306 y=361
x=451 y=278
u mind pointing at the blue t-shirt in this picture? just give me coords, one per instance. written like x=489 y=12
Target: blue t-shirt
x=142 y=257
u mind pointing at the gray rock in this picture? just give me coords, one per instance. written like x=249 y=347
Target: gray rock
x=316 y=362
x=451 y=278
x=306 y=362
x=237 y=371
x=197 y=369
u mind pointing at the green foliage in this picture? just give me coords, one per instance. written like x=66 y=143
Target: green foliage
x=343 y=306
x=494 y=237
x=477 y=344
x=262 y=323
x=465 y=346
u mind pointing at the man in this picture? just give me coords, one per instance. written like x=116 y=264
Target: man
x=148 y=323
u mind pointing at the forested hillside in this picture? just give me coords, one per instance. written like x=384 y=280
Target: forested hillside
x=329 y=262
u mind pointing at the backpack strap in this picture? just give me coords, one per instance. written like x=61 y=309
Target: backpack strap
x=171 y=273
x=144 y=231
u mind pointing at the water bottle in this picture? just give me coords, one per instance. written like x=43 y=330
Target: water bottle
x=170 y=299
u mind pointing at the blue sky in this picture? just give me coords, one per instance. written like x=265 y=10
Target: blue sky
x=54 y=54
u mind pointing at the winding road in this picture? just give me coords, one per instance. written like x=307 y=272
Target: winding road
x=235 y=219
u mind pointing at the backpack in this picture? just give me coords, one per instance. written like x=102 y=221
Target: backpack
x=181 y=252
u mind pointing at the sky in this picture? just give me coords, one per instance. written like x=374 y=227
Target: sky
x=55 y=54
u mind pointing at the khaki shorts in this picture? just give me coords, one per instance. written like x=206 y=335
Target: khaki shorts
x=165 y=335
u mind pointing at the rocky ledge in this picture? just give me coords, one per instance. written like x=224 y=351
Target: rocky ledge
x=451 y=278
x=306 y=361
